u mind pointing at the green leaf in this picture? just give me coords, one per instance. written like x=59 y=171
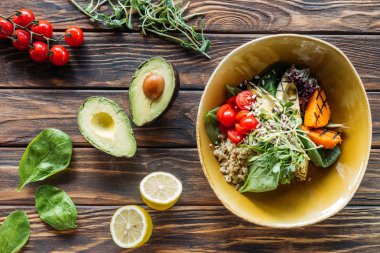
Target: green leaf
x=55 y=207
x=232 y=91
x=321 y=157
x=272 y=77
x=48 y=153
x=261 y=178
x=212 y=126
x=14 y=232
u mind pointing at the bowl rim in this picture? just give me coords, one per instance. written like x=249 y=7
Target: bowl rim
x=364 y=165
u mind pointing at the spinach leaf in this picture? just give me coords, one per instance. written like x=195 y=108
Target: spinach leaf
x=14 y=232
x=321 y=157
x=272 y=77
x=212 y=126
x=262 y=177
x=268 y=170
x=55 y=207
x=232 y=91
x=48 y=153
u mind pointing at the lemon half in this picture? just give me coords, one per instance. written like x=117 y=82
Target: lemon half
x=160 y=190
x=131 y=227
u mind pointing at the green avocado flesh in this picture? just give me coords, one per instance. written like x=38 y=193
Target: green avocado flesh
x=106 y=126
x=144 y=110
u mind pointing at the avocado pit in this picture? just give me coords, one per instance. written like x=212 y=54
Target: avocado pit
x=153 y=85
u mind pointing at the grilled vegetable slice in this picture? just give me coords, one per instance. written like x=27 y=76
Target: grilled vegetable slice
x=317 y=112
x=327 y=138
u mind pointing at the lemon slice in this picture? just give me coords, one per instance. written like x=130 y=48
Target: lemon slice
x=131 y=227
x=160 y=190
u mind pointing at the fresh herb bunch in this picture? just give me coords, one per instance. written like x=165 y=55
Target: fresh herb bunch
x=164 y=18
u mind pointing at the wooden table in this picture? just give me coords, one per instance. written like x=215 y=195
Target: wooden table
x=33 y=97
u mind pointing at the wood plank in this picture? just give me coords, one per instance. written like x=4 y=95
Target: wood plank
x=26 y=112
x=210 y=229
x=243 y=16
x=95 y=178
x=110 y=59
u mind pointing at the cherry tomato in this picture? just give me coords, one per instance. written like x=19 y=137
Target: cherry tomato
x=42 y=27
x=228 y=118
x=221 y=110
x=231 y=100
x=244 y=100
x=39 y=51
x=241 y=114
x=21 y=39
x=6 y=28
x=240 y=130
x=74 y=36
x=59 y=55
x=24 y=17
x=222 y=129
x=249 y=123
x=234 y=136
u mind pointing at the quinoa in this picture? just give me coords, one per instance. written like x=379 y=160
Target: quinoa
x=233 y=161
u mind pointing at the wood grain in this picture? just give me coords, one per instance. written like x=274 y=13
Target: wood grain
x=26 y=112
x=108 y=60
x=210 y=229
x=95 y=178
x=241 y=16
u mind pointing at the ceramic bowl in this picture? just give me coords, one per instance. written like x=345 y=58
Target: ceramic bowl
x=326 y=191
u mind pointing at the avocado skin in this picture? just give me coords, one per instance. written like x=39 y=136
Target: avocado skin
x=126 y=121
x=175 y=92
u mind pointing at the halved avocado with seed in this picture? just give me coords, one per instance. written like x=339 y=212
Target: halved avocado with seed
x=153 y=89
x=106 y=126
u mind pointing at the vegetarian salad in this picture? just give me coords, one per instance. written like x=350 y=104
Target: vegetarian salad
x=270 y=128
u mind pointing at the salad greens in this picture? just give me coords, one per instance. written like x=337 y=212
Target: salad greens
x=55 y=207
x=232 y=91
x=14 y=232
x=280 y=154
x=212 y=126
x=281 y=145
x=270 y=80
x=321 y=157
x=305 y=83
x=47 y=154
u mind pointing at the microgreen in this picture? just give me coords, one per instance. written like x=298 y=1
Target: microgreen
x=164 y=18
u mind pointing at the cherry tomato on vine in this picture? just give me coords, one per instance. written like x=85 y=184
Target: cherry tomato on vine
x=221 y=110
x=249 y=123
x=42 y=27
x=74 y=36
x=24 y=17
x=59 y=55
x=21 y=39
x=244 y=100
x=6 y=28
x=234 y=136
x=241 y=114
x=39 y=52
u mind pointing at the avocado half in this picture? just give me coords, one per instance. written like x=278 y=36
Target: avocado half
x=106 y=126
x=144 y=110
